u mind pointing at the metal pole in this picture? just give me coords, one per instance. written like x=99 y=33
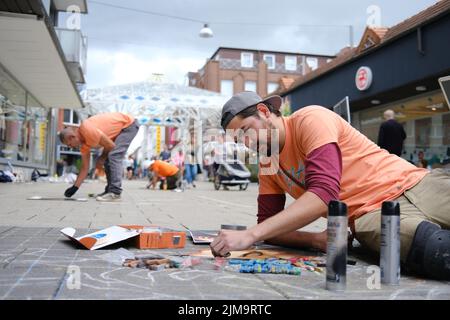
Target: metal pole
x=51 y=152
x=26 y=142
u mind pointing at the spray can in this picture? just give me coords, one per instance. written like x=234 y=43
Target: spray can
x=337 y=238
x=390 y=243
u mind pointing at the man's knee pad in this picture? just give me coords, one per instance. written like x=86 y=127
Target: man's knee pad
x=430 y=251
x=437 y=255
x=414 y=261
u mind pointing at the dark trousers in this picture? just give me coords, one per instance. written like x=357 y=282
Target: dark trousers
x=113 y=164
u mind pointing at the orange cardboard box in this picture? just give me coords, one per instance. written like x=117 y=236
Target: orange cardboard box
x=155 y=237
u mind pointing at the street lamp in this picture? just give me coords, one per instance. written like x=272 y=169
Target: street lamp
x=206 y=32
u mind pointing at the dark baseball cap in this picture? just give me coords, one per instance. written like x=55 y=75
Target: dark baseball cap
x=242 y=101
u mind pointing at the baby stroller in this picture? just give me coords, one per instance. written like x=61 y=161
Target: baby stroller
x=231 y=174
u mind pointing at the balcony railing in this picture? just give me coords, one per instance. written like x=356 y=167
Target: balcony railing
x=74 y=46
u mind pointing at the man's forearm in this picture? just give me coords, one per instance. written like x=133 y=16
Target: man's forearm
x=296 y=239
x=81 y=176
x=306 y=209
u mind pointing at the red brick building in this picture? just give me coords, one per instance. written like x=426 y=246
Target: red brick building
x=231 y=70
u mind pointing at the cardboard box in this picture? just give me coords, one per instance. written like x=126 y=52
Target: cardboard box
x=155 y=237
x=147 y=237
x=101 y=238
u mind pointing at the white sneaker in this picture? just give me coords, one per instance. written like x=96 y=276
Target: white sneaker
x=109 y=197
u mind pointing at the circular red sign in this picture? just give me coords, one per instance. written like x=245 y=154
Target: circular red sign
x=363 y=78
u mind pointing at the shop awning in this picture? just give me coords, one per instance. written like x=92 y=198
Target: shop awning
x=30 y=52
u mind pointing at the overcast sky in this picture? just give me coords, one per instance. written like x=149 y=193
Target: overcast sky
x=128 y=46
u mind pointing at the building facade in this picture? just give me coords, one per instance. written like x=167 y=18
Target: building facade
x=232 y=70
x=394 y=68
x=42 y=66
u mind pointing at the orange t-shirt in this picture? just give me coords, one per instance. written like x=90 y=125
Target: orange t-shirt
x=164 y=169
x=110 y=124
x=370 y=175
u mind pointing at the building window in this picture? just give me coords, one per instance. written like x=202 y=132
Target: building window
x=23 y=135
x=427 y=128
x=290 y=63
x=250 y=86
x=269 y=59
x=313 y=63
x=271 y=87
x=226 y=87
x=247 y=59
x=71 y=117
x=369 y=43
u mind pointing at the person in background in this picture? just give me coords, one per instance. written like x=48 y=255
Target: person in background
x=422 y=163
x=178 y=160
x=391 y=134
x=59 y=167
x=129 y=166
x=167 y=173
x=145 y=165
x=207 y=162
x=112 y=131
x=165 y=154
x=191 y=161
x=135 y=167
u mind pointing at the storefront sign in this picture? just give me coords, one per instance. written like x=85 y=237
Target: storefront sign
x=42 y=136
x=363 y=78
x=158 y=140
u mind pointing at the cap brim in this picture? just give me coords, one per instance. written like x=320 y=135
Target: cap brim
x=275 y=101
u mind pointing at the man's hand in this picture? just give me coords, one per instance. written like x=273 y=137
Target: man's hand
x=231 y=240
x=71 y=191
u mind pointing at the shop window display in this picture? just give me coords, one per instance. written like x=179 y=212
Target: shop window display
x=23 y=133
x=426 y=121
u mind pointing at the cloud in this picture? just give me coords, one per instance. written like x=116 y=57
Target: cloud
x=128 y=46
x=121 y=67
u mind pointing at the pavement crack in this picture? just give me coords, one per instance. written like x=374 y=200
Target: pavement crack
x=62 y=218
x=15 y=257
x=32 y=217
x=6 y=230
x=50 y=229
x=279 y=291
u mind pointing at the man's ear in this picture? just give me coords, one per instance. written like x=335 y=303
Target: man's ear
x=262 y=108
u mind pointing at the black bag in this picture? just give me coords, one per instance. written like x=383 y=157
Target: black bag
x=35 y=175
x=4 y=177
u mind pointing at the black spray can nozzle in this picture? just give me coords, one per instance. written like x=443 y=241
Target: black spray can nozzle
x=390 y=208
x=337 y=208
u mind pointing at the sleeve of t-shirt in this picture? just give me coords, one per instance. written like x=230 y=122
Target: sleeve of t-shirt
x=271 y=198
x=323 y=170
x=317 y=127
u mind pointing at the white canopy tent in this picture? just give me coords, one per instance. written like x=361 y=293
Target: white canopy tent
x=158 y=104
